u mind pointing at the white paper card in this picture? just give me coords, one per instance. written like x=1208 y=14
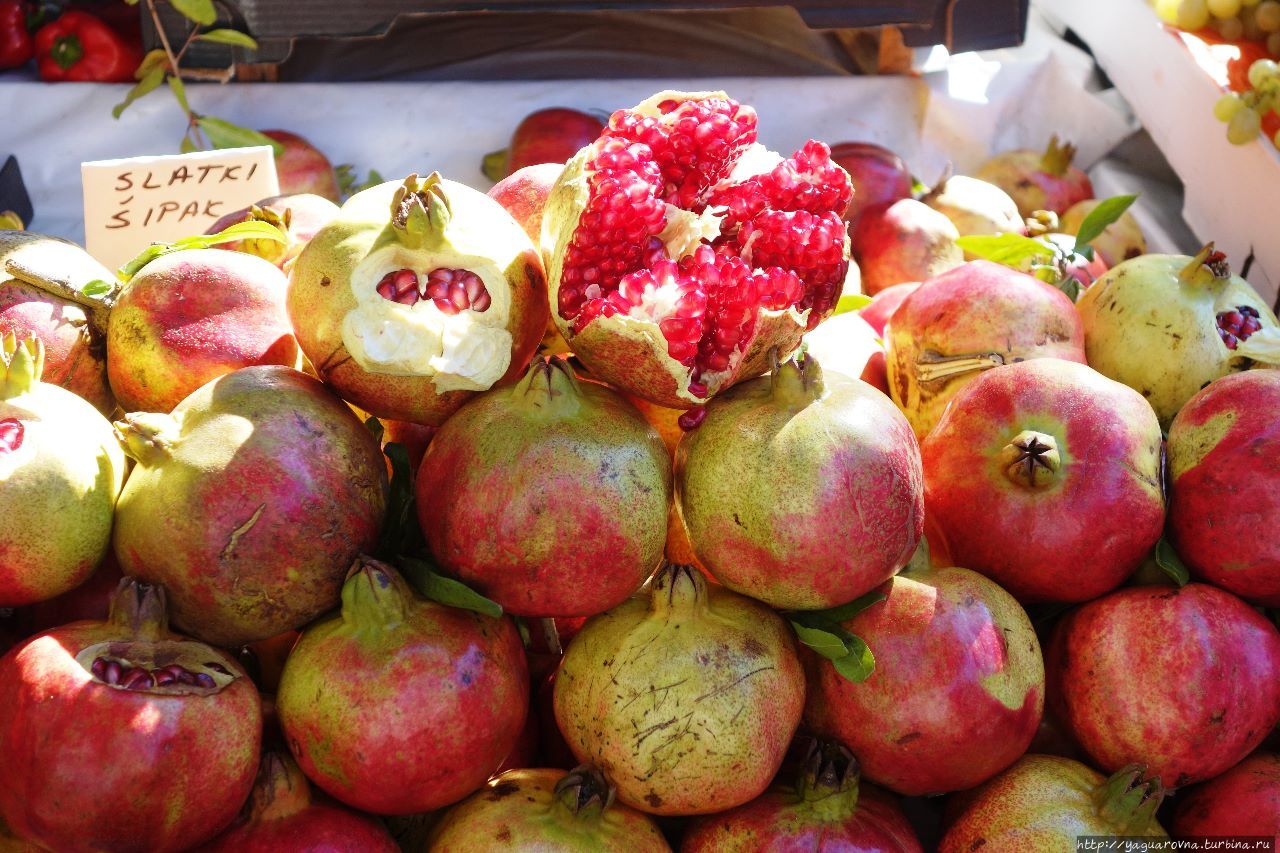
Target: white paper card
x=131 y=203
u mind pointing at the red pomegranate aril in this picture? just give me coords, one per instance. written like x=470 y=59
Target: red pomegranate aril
x=137 y=679
x=690 y=419
x=163 y=677
x=11 y=431
x=400 y=286
x=111 y=672
x=99 y=668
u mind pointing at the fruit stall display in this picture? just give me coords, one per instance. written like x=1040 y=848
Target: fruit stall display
x=674 y=494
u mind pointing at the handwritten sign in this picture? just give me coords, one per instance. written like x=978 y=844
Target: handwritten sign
x=131 y=203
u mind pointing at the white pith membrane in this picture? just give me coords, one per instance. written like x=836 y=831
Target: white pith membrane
x=194 y=657
x=467 y=351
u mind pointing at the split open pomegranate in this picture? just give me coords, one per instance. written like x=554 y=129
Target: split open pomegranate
x=681 y=250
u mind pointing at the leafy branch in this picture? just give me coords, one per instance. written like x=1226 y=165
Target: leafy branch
x=164 y=66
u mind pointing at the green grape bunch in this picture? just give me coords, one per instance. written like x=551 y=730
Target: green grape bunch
x=1243 y=112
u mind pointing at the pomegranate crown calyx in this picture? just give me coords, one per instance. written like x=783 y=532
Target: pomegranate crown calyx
x=141 y=609
x=147 y=437
x=21 y=365
x=829 y=771
x=1209 y=265
x=1128 y=801
x=420 y=211
x=1057 y=158
x=797 y=381
x=281 y=789
x=585 y=792
x=677 y=589
x=375 y=596
x=1032 y=459
x=549 y=387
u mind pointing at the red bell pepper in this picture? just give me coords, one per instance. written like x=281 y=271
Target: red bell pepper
x=79 y=47
x=16 y=46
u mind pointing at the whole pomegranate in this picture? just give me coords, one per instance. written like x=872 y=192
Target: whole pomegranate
x=1185 y=680
x=884 y=303
x=1026 y=448
x=282 y=815
x=976 y=317
x=1167 y=325
x=1045 y=802
x=957 y=692
x=396 y=687
x=551 y=135
x=975 y=207
x=799 y=490
x=298 y=216
x=122 y=735
x=249 y=503
x=685 y=695
x=303 y=168
x=1243 y=801
x=61 y=471
x=901 y=241
x=549 y=496
x=1224 y=484
x=1039 y=181
x=1119 y=241
x=823 y=808
x=846 y=344
x=417 y=296
x=546 y=810
x=877 y=174
x=42 y=295
x=680 y=252
x=524 y=193
x=189 y=317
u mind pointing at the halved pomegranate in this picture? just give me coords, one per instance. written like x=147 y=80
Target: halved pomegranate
x=681 y=251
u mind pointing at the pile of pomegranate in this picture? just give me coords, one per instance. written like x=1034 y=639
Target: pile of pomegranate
x=604 y=512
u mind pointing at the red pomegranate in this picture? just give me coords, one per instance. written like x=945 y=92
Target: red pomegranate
x=1045 y=802
x=550 y=496
x=121 y=735
x=303 y=168
x=801 y=490
x=884 y=303
x=42 y=295
x=397 y=704
x=1243 y=801
x=1184 y=680
x=877 y=174
x=1224 y=484
x=903 y=241
x=823 y=808
x=551 y=135
x=1023 y=455
x=681 y=253
x=282 y=815
x=973 y=318
x=189 y=317
x=298 y=216
x=957 y=692
x=524 y=194
x=1039 y=181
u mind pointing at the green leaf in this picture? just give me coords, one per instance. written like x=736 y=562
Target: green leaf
x=1168 y=560
x=1107 y=212
x=251 y=230
x=823 y=641
x=187 y=146
x=858 y=665
x=494 y=165
x=1012 y=250
x=1069 y=285
x=846 y=612
x=401 y=533
x=446 y=590
x=851 y=302
x=235 y=38
x=200 y=11
x=224 y=134
x=179 y=90
x=154 y=59
x=97 y=287
x=145 y=86
x=917 y=188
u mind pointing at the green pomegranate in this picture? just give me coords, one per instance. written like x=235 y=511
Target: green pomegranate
x=801 y=490
x=547 y=810
x=685 y=695
x=416 y=296
x=1168 y=325
x=61 y=470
